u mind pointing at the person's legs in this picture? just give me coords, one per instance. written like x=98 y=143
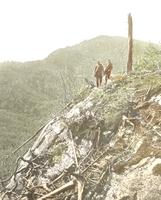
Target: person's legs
x=109 y=74
x=97 y=81
x=106 y=79
x=100 y=80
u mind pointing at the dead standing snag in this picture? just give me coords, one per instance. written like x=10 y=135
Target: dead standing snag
x=130 y=43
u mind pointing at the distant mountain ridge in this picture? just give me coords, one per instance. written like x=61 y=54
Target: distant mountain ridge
x=100 y=48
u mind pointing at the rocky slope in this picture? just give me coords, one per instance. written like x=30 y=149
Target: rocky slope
x=105 y=144
x=32 y=92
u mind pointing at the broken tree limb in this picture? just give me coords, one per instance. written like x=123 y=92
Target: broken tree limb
x=99 y=157
x=142 y=105
x=74 y=150
x=28 y=140
x=80 y=185
x=63 y=188
x=90 y=83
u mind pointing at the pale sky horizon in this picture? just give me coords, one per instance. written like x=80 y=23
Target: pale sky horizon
x=32 y=29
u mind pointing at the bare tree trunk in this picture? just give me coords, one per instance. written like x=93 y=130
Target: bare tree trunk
x=130 y=43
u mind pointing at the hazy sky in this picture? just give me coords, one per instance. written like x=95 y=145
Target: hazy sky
x=31 y=29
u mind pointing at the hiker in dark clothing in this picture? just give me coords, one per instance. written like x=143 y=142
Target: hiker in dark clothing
x=108 y=71
x=98 y=73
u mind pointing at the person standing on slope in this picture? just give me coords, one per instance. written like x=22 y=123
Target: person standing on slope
x=108 y=71
x=98 y=73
